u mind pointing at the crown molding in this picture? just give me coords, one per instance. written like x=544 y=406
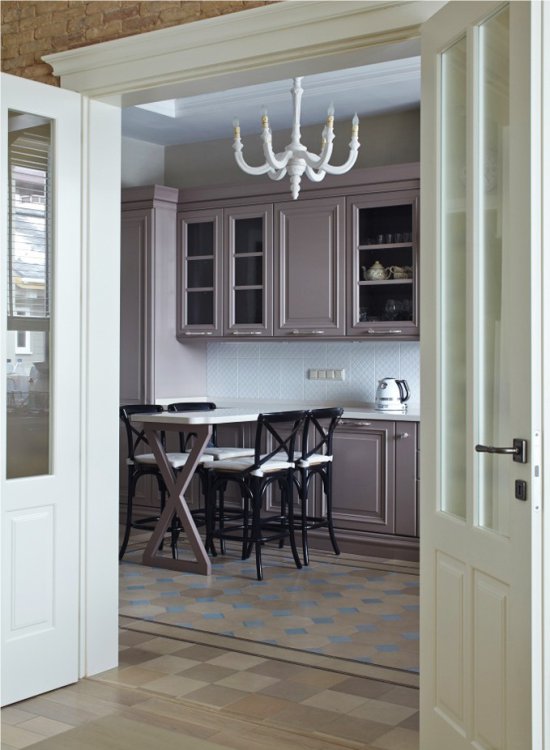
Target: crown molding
x=126 y=71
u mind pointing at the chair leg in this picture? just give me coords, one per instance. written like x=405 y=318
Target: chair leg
x=304 y=495
x=290 y=504
x=256 y=534
x=129 y=503
x=328 y=492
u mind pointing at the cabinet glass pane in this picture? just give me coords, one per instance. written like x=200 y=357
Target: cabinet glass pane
x=248 y=306
x=30 y=283
x=385 y=302
x=249 y=271
x=453 y=279
x=385 y=225
x=200 y=273
x=249 y=235
x=200 y=308
x=495 y=426
x=200 y=238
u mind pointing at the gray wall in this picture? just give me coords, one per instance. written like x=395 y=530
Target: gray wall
x=385 y=139
x=142 y=163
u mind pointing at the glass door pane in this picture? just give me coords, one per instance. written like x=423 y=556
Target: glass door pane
x=29 y=295
x=453 y=279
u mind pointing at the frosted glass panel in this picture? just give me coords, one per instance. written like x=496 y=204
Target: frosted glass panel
x=494 y=426
x=453 y=279
x=29 y=296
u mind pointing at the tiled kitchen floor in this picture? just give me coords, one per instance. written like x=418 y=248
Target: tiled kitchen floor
x=207 y=691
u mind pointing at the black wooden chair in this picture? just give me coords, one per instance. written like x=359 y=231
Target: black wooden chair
x=254 y=474
x=315 y=460
x=140 y=465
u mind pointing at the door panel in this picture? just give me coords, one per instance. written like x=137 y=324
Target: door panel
x=481 y=383
x=41 y=498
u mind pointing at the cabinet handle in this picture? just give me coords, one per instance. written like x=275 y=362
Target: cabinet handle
x=355 y=423
x=198 y=333
x=394 y=331
x=402 y=435
x=246 y=333
x=306 y=333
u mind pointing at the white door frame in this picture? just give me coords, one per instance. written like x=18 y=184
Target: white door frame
x=235 y=49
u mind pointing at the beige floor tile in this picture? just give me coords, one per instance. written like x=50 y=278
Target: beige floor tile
x=291 y=691
x=131 y=638
x=383 y=712
x=169 y=664
x=364 y=687
x=319 y=678
x=14 y=715
x=216 y=695
x=347 y=727
x=18 y=737
x=133 y=656
x=258 y=707
x=398 y=739
x=412 y=722
x=332 y=700
x=305 y=718
x=173 y=684
x=207 y=672
x=201 y=653
x=233 y=660
x=403 y=696
x=130 y=676
x=46 y=727
x=159 y=645
x=281 y=669
x=247 y=681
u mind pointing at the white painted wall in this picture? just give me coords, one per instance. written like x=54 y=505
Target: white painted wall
x=142 y=163
x=385 y=139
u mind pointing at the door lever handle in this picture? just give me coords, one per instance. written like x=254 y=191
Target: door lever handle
x=518 y=450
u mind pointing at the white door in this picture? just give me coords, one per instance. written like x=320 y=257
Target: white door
x=481 y=334
x=40 y=455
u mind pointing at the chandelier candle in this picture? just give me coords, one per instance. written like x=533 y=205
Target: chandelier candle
x=296 y=160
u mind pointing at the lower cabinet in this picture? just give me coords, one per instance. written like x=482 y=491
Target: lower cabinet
x=375 y=486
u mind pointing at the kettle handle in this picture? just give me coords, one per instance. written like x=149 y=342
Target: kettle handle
x=404 y=390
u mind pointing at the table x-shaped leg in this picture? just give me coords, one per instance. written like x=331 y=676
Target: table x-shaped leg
x=176 y=485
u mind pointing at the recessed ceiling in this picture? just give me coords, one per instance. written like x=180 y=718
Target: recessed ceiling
x=369 y=90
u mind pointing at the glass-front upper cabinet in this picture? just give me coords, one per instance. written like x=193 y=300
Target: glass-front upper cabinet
x=384 y=266
x=249 y=258
x=199 y=274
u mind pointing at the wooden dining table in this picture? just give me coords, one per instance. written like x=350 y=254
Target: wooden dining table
x=177 y=483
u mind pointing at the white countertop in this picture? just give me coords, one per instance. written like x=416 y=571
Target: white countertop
x=249 y=410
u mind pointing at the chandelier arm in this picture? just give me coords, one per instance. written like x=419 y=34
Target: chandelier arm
x=275 y=161
x=318 y=162
x=313 y=175
x=343 y=168
x=277 y=175
x=264 y=169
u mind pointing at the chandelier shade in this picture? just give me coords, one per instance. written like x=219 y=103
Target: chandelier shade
x=296 y=160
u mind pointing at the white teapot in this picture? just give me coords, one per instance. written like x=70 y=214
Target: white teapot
x=376 y=272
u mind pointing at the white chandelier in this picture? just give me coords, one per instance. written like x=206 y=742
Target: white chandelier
x=296 y=159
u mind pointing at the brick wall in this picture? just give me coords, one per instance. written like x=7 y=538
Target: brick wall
x=33 y=29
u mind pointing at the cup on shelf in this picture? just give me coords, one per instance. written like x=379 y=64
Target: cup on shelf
x=380 y=239
x=399 y=272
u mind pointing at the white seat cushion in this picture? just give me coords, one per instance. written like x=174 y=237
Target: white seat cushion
x=242 y=464
x=314 y=460
x=222 y=453
x=176 y=460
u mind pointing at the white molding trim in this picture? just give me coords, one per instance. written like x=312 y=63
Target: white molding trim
x=131 y=70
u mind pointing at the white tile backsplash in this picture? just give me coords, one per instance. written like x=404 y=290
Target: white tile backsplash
x=278 y=370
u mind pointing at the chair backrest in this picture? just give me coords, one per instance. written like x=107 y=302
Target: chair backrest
x=185 y=437
x=319 y=427
x=282 y=441
x=134 y=436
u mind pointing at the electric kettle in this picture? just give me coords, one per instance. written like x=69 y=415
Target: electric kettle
x=392 y=394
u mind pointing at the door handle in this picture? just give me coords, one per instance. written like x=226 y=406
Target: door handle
x=518 y=451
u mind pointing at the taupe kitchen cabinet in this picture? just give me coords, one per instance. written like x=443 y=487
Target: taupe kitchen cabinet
x=383 y=266
x=199 y=274
x=375 y=486
x=151 y=359
x=309 y=268
x=248 y=271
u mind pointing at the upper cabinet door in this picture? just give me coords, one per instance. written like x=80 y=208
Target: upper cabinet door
x=199 y=271
x=383 y=266
x=248 y=249
x=309 y=268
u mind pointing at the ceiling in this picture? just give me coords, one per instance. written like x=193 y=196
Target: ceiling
x=369 y=90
